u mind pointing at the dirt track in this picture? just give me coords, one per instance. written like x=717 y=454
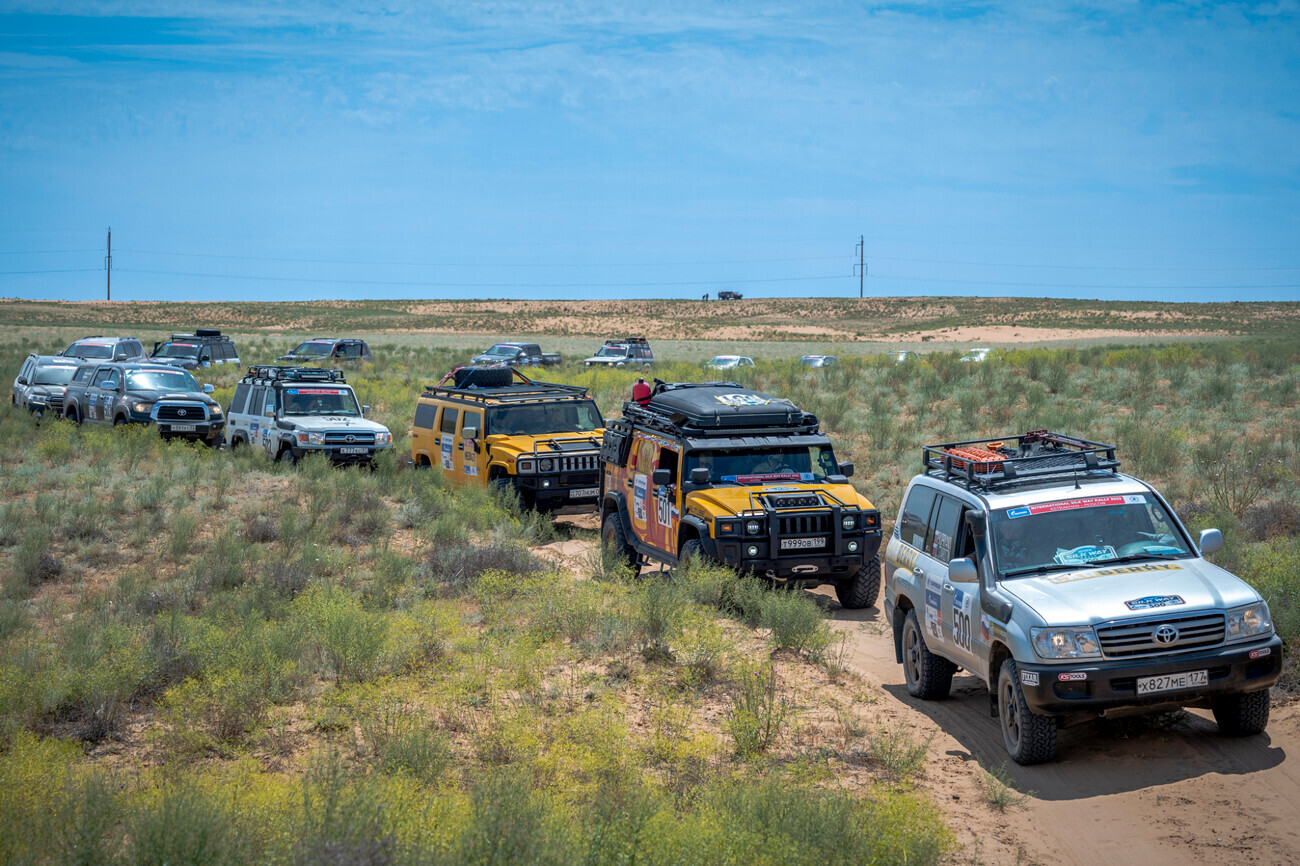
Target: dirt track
x=1128 y=791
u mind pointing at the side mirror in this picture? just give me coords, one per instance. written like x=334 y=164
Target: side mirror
x=470 y=433
x=59 y=353
x=208 y=389
x=962 y=570
x=22 y=380
x=846 y=469
x=661 y=477
x=1211 y=541
x=365 y=410
x=120 y=356
x=701 y=475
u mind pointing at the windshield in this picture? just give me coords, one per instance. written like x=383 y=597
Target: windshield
x=90 y=350
x=577 y=416
x=319 y=401
x=1072 y=533
x=160 y=380
x=503 y=349
x=177 y=350
x=792 y=463
x=54 y=375
x=724 y=361
x=314 y=347
x=612 y=352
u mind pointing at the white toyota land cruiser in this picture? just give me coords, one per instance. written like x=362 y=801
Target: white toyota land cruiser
x=1071 y=589
x=290 y=412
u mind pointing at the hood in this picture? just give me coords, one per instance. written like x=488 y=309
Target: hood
x=606 y=359
x=490 y=359
x=48 y=390
x=1129 y=590
x=155 y=396
x=546 y=444
x=744 y=499
x=334 y=422
x=183 y=363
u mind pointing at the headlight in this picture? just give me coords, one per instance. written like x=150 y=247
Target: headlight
x=214 y=411
x=1249 y=621
x=311 y=438
x=527 y=466
x=848 y=522
x=38 y=398
x=545 y=465
x=382 y=439
x=141 y=408
x=752 y=527
x=1066 y=643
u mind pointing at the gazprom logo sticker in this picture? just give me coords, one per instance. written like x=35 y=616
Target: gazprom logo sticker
x=1013 y=513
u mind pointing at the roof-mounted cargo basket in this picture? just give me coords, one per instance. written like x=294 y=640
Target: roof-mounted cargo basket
x=1010 y=461
x=294 y=374
x=627 y=341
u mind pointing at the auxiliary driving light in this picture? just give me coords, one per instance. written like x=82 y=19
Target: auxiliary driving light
x=853 y=547
x=847 y=522
x=752 y=527
x=752 y=550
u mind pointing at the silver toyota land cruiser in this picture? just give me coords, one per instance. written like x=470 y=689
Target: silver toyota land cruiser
x=1071 y=589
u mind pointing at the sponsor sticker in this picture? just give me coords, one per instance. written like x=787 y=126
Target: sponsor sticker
x=447 y=463
x=1072 y=504
x=313 y=391
x=1261 y=653
x=1029 y=678
x=1084 y=554
x=933 y=613
x=639 y=491
x=741 y=400
x=1148 y=602
x=962 y=602
x=1073 y=676
x=1107 y=572
x=770 y=476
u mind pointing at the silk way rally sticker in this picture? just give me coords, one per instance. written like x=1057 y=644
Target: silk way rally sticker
x=1072 y=504
x=1084 y=555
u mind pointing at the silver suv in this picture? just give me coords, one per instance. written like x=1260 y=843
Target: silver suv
x=1071 y=590
x=290 y=412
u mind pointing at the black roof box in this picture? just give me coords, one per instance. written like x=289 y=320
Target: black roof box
x=207 y=332
x=724 y=405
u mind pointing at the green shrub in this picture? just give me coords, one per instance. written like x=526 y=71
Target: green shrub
x=759 y=713
x=797 y=622
x=1272 y=568
x=351 y=640
x=452 y=567
x=659 y=610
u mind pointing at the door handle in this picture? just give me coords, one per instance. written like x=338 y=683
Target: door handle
x=919 y=572
x=628 y=482
x=947 y=587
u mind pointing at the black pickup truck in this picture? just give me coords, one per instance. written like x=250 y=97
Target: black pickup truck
x=518 y=355
x=145 y=393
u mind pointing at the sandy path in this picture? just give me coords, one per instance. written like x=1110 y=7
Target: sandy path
x=1172 y=795
x=1175 y=794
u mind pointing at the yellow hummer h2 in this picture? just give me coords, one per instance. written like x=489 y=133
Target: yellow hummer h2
x=738 y=476
x=495 y=426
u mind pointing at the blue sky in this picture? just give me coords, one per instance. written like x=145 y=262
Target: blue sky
x=289 y=151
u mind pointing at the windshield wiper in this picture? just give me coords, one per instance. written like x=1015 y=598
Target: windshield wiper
x=1042 y=569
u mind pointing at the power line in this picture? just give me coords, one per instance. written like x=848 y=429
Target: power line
x=44 y=252
x=474 y=264
x=62 y=271
x=1071 y=285
x=1085 y=267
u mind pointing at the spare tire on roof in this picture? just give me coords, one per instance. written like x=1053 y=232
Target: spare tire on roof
x=484 y=377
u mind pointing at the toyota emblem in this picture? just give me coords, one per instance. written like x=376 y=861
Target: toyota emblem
x=180 y=412
x=349 y=438
x=1166 y=634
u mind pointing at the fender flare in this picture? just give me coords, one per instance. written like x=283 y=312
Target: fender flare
x=702 y=532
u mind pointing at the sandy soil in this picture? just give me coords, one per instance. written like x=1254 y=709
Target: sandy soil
x=1131 y=791
x=1004 y=334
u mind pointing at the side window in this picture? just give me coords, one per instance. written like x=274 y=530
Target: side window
x=365 y=350
x=205 y=354
x=101 y=378
x=137 y=348
x=240 y=401
x=226 y=350
x=270 y=398
x=668 y=459
x=448 y=424
x=473 y=419
x=943 y=529
x=82 y=375
x=255 y=396
x=352 y=350
x=916 y=516
x=425 y=413
x=26 y=371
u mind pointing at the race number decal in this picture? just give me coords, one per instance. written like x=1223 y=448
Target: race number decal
x=662 y=506
x=638 y=497
x=446 y=452
x=962 y=602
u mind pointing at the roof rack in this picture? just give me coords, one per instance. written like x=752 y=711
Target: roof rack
x=627 y=341
x=689 y=408
x=498 y=383
x=280 y=373
x=200 y=334
x=1020 y=459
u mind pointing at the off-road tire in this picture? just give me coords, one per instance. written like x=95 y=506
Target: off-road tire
x=613 y=535
x=862 y=589
x=74 y=416
x=119 y=421
x=236 y=443
x=1029 y=737
x=692 y=548
x=1241 y=715
x=928 y=676
x=286 y=456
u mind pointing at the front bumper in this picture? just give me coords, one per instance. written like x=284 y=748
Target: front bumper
x=1093 y=686
x=363 y=456
x=577 y=491
x=832 y=563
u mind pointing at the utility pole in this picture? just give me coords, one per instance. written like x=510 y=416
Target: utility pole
x=108 y=265
x=861 y=266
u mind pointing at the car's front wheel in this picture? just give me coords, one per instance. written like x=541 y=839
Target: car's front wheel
x=1029 y=737
x=1242 y=715
x=862 y=589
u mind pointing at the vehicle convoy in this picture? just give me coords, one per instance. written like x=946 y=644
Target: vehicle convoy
x=1071 y=589
x=106 y=349
x=333 y=349
x=41 y=382
x=495 y=426
x=718 y=470
x=628 y=352
x=145 y=393
x=203 y=348
x=518 y=355
x=290 y=412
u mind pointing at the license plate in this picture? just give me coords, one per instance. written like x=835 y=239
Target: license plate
x=584 y=492
x=181 y=428
x=802 y=543
x=1169 y=682
x=353 y=450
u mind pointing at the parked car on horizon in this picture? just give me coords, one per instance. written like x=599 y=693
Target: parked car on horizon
x=819 y=360
x=98 y=348
x=321 y=349
x=902 y=356
x=203 y=348
x=975 y=356
x=729 y=362
x=518 y=355
x=42 y=381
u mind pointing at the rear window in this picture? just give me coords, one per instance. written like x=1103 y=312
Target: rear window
x=241 y=400
x=916 y=516
x=425 y=413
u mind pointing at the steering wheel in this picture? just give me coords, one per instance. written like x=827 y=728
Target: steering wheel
x=787 y=470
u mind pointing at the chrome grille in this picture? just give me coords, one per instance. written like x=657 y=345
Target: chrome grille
x=1128 y=638
x=358 y=437
x=55 y=403
x=808 y=523
x=182 y=413
x=580 y=463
